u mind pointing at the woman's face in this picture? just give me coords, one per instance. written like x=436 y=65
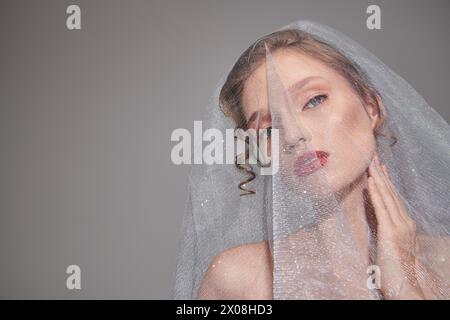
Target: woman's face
x=324 y=110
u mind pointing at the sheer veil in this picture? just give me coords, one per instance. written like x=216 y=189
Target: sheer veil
x=310 y=232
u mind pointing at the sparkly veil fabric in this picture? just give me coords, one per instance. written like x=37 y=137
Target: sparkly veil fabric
x=321 y=244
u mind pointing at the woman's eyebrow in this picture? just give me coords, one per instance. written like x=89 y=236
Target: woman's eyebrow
x=300 y=84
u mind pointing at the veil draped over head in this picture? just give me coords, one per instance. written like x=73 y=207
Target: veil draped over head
x=320 y=245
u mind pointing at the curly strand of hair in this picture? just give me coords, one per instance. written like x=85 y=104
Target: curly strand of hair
x=380 y=131
x=252 y=175
x=389 y=136
x=247 y=169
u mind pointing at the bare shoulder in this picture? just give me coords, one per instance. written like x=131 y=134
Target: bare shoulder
x=242 y=272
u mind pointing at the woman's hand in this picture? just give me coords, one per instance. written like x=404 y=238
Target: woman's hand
x=396 y=237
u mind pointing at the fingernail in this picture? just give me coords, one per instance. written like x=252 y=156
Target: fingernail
x=377 y=160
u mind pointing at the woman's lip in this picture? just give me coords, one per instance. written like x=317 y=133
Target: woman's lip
x=309 y=162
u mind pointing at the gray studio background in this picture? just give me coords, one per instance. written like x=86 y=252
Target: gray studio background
x=86 y=118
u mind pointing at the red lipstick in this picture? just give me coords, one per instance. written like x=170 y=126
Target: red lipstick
x=309 y=162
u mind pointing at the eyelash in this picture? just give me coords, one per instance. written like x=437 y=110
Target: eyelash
x=323 y=96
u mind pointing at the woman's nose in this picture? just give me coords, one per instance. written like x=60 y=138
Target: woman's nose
x=291 y=129
x=282 y=109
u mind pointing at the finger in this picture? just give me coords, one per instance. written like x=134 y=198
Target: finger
x=382 y=170
x=397 y=197
x=388 y=179
x=389 y=183
x=378 y=203
x=383 y=189
x=386 y=193
x=401 y=216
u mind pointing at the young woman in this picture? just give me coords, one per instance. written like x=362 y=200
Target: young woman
x=358 y=208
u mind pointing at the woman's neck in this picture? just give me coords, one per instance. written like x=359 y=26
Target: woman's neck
x=353 y=224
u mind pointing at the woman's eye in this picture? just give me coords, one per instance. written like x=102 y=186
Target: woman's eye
x=315 y=101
